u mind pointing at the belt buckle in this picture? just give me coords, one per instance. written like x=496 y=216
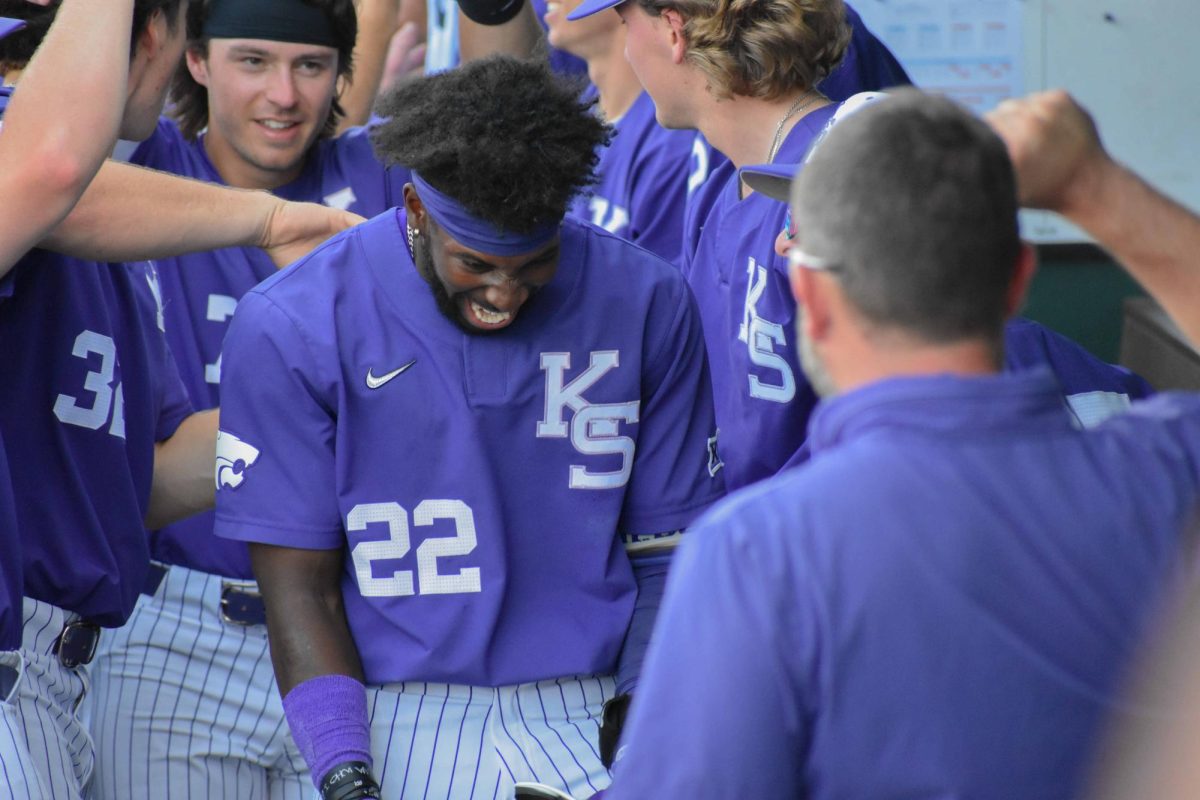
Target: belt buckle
x=76 y=645
x=229 y=594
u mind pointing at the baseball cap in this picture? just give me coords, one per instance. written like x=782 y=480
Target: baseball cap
x=589 y=7
x=773 y=180
x=9 y=25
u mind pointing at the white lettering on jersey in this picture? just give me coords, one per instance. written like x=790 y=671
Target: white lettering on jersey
x=594 y=428
x=699 y=172
x=234 y=457
x=107 y=398
x=762 y=337
x=341 y=199
x=400 y=582
x=608 y=215
x=220 y=309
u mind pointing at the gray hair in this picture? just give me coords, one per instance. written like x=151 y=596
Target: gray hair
x=914 y=200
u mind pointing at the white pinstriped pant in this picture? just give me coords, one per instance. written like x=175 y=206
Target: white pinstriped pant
x=436 y=741
x=44 y=746
x=185 y=705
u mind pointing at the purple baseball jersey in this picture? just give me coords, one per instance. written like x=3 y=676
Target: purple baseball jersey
x=762 y=398
x=201 y=291
x=85 y=396
x=643 y=182
x=10 y=563
x=481 y=485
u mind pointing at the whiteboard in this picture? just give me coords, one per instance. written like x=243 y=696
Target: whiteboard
x=1135 y=64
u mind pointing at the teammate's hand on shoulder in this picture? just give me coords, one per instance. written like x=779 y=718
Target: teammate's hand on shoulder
x=292 y=230
x=1055 y=149
x=612 y=722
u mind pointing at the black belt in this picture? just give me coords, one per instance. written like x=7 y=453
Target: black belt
x=76 y=643
x=240 y=605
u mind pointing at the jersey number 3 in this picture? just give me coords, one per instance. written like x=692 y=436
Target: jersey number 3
x=107 y=400
x=400 y=582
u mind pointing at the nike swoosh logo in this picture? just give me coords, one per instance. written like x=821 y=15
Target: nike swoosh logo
x=374 y=382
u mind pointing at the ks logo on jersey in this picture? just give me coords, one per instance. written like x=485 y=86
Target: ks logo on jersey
x=594 y=428
x=234 y=457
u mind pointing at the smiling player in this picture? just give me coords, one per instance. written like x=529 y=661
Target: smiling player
x=458 y=437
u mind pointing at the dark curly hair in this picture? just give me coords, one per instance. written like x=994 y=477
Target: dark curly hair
x=16 y=49
x=506 y=138
x=189 y=100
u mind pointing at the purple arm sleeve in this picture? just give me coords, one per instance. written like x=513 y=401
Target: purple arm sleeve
x=650 y=572
x=328 y=718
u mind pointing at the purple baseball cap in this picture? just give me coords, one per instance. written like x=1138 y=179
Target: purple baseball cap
x=9 y=25
x=773 y=180
x=589 y=7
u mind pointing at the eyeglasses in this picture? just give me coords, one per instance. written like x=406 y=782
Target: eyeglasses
x=789 y=227
x=798 y=259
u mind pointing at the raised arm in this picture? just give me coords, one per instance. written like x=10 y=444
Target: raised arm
x=388 y=43
x=58 y=129
x=130 y=214
x=479 y=37
x=1062 y=166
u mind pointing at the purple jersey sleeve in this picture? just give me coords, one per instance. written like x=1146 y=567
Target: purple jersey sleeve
x=275 y=461
x=712 y=631
x=676 y=416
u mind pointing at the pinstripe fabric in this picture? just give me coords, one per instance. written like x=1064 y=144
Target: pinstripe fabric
x=18 y=777
x=40 y=712
x=433 y=741
x=186 y=706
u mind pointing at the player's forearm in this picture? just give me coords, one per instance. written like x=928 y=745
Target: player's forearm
x=183 y=471
x=306 y=619
x=377 y=23
x=58 y=129
x=129 y=214
x=518 y=37
x=1155 y=238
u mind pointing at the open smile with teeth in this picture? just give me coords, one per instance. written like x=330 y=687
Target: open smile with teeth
x=489 y=317
x=275 y=125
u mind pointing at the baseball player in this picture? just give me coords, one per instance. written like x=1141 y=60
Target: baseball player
x=256 y=110
x=947 y=597
x=752 y=115
x=494 y=417
x=92 y=407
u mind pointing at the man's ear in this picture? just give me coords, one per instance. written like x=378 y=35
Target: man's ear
x=812 y=296
x=153 y=35
x=413 y=206
x=1022 y=277
x=197 y=64
x=678 y=42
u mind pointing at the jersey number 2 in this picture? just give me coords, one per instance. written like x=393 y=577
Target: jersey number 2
x=398 y=544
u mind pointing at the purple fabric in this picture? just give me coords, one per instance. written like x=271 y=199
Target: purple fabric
x=328 y=718
x=469 y=230
x=651 y=576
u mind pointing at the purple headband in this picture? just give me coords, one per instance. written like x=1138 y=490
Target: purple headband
x=472 y=232
x=9 y=25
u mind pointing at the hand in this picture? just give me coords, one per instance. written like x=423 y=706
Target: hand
x=405 y=56
x=1055 y=149
x=292 y=230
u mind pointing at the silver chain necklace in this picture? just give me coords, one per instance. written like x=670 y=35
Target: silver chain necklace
x=802 y=102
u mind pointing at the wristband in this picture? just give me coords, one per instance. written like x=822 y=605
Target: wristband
x=328 y=718
x=490 y=12
x=351 y=780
